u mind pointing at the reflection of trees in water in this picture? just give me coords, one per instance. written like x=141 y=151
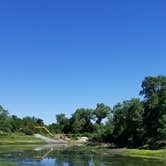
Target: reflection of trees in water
x=84 y=160
x=81 y=160
x=76 y=157
x=71 y=159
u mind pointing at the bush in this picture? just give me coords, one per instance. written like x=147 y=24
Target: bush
x=28 y=131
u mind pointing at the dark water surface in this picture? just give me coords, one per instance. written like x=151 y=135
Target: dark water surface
x=65 y=156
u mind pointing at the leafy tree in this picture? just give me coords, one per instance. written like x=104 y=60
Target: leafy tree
x=81 y=121
x=101 y=112
x=103 y=132
x=63 y=123
x=128 y=123
x=54 y=128
x=109 y=129
x=4 y=120
x=154 y=92
x=28 y=124
x=16 y=123
x=32 y=121
x=152 y=85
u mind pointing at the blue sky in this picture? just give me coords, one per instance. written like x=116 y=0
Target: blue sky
x=56 y=56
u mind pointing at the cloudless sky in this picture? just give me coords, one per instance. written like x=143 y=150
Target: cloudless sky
x=56 y=56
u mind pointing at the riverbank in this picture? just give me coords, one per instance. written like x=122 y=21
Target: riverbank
x=71 y=155
x=146 y=154
x=19 y=138
x=12 y=139
x=133 y=153
x=153 y=154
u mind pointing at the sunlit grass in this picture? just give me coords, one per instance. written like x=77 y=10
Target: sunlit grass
x=18 y=138
x=5 y=163
x=155 y=154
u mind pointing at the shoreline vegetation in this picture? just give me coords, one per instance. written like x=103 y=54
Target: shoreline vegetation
x=139 y=125
x=19 y=139
x=96 y=150
x=19 y=142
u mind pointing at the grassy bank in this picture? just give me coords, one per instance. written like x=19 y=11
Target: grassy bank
x=136 y=153
x=11 y=139
x=6 y=163
x=18 y=138
x=154 y=154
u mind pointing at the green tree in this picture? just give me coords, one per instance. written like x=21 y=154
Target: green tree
x=152 y=85
x=154 y=92
x=16 y=123
x=103 y=132
x=101 y=112
x=63 y=123
x=128 y=122
x=81 y=121
x=5 y=124
x=109 y=129
x=28 y=124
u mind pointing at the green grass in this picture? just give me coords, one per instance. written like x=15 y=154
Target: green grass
x=18 y=138
x=6 y=164
x=153 y=154
x=17 y=148
x=11 y=139
x=146 y=154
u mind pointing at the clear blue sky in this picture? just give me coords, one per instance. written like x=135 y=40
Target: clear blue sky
x=56 y=56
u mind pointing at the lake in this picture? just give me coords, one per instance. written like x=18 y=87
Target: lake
x=66 y=156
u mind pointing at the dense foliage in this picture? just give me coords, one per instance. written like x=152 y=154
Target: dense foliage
x=132 y=123
x=15 y=124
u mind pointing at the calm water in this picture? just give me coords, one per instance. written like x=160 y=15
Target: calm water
x=64 y=156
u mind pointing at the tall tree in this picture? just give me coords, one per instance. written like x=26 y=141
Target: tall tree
x=128 y=123
x=16 y=123
x=5 y=124
x=63 y=123
x=101 y=112
x=154 y=92
x=81 y=120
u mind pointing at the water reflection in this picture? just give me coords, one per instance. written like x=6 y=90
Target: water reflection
x=66 y=156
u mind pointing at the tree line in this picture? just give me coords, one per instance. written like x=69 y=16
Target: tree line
x=15 y=124
x=131 y=123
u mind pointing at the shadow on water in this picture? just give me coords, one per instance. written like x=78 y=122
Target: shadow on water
x=66 y=156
